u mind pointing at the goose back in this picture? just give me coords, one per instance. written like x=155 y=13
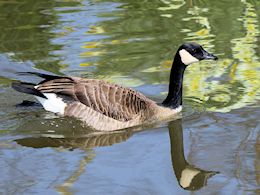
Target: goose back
x=98 y=101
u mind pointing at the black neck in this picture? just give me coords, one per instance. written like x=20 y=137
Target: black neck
x=174 y=97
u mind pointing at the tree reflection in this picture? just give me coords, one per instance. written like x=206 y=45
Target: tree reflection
x=27 y=31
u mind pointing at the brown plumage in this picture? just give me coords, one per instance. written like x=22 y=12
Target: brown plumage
x=102 y=105
x=106 y=106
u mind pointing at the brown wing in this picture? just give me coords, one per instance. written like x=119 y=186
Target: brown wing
x=112 y=100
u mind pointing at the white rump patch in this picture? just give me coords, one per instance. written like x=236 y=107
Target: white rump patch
x=186 y=177
x=53 y=103
x=186 y=57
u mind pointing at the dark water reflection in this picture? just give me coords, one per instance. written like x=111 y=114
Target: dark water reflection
x=189 y=177
x=132 y=162
x=132 y=43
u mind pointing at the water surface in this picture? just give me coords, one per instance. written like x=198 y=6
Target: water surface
x=132 y=43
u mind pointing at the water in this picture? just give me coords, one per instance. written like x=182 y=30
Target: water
x=133 y=43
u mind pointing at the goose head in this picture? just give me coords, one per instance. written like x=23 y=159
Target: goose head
x=187 y=54
x=193 y=52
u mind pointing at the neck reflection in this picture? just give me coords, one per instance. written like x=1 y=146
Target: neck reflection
x=189 y=177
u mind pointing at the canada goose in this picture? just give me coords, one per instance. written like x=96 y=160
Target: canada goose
x=105 y=106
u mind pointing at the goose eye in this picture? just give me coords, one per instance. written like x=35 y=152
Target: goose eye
x=197 y=50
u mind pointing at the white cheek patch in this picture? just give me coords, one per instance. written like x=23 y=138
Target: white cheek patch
x=186 y=57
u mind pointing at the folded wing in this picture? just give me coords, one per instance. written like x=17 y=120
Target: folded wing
x=111 y=100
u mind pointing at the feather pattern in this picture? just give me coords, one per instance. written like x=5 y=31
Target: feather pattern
x=111 y=100
x=101 y=105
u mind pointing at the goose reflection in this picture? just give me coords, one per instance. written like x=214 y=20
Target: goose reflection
x=91 y=140
x=188 y=176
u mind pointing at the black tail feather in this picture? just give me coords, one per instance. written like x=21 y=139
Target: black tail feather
x=27 y=88
x=42 y=75
x=47 y=77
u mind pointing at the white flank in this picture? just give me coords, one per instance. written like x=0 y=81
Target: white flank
x=53 y=103
x=186 y=57
x=186 y=176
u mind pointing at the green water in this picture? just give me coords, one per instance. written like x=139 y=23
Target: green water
x=132 y=43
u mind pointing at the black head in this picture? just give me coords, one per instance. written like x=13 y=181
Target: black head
x=193 y=52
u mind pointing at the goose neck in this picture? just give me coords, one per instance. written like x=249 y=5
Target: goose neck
x=174 y=97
